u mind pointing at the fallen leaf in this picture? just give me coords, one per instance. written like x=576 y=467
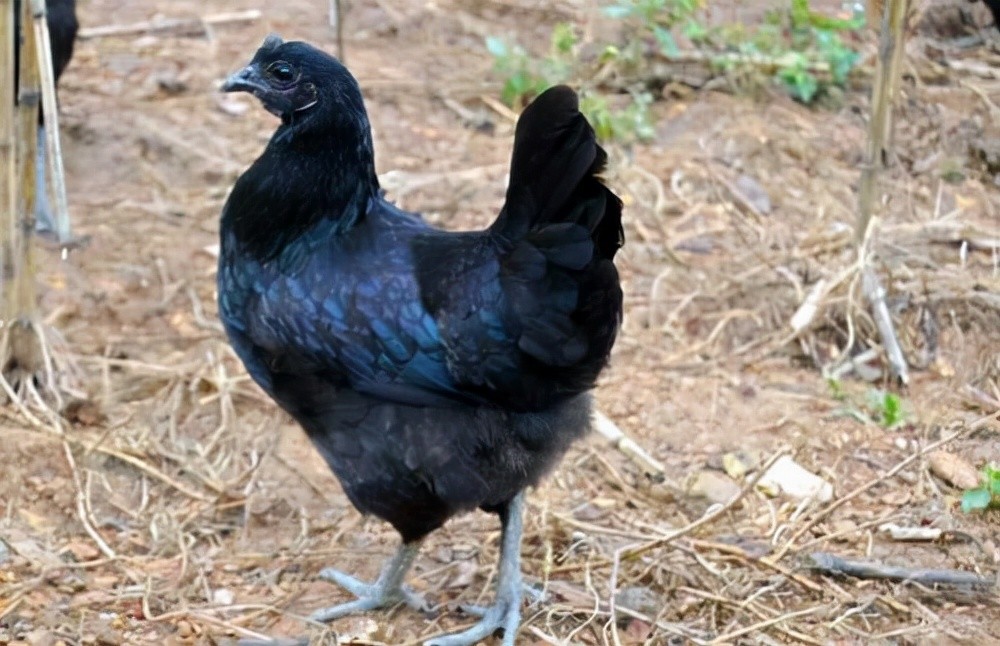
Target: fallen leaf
x=38 y=522
x=639 y=599
x=791 y=478
x=754 y=194
x=735 y=465
x=844 y=528
x=953 y=469
x=359 y=629
x=83 y=412
x=82 y=551
x=589 y=512
x=41 y=637
x=223 y=597
x=637 y=632
x=185 y=629
x=713 y=486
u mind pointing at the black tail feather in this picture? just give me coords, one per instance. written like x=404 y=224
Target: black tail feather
x=554 y=174
x=558 y=296
x=564 y=227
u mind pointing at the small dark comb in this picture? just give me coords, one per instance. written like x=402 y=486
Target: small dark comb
x=273 y=41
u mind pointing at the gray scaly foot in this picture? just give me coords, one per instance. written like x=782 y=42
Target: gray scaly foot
x=505 y=613
x=387 y=591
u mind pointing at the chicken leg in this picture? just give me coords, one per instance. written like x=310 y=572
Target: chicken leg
x=505 y=613
x=386 y=591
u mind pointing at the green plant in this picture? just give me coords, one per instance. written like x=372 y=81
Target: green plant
x=525 y=77
x=879 y=407
x=632 y=121
x=805 y=48
x=887 y=408
x=659 y=18
x=804 y=51
x=836 y=388
x=985 y=496
x=797 y=78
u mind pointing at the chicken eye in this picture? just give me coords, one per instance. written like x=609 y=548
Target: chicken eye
x=281 y=72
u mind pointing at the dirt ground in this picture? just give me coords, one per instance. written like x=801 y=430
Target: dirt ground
x=178 y=506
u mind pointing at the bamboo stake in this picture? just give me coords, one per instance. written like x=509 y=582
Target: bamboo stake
x=878 y=124
x=8 y=154
x=43 y=48
x=28 y=103
x=23 y=345
x=337 y=22
x=887 y=72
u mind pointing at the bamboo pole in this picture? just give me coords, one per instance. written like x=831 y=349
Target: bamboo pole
x=43 y=53
x=892 y=39
x=887 y=66
x=24 y=350
x=8 y=156
x=337 y=22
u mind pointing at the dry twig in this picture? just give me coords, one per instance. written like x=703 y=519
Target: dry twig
x=617 y=438
x=179 y=26
x=831 y=564
x=839 y=502
x=632 y=551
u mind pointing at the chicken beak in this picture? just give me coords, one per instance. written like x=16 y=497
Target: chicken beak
x=247 y=79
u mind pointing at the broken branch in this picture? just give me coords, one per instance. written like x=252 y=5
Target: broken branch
x=178 y=26
x=617 y=438
x=827 y=563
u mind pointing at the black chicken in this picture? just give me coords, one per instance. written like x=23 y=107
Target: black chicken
x=436 y=372
x=63 y=25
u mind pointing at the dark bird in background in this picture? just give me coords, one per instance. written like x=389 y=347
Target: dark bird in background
x=994 y=7
x=63 y=25
x=436 y=372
